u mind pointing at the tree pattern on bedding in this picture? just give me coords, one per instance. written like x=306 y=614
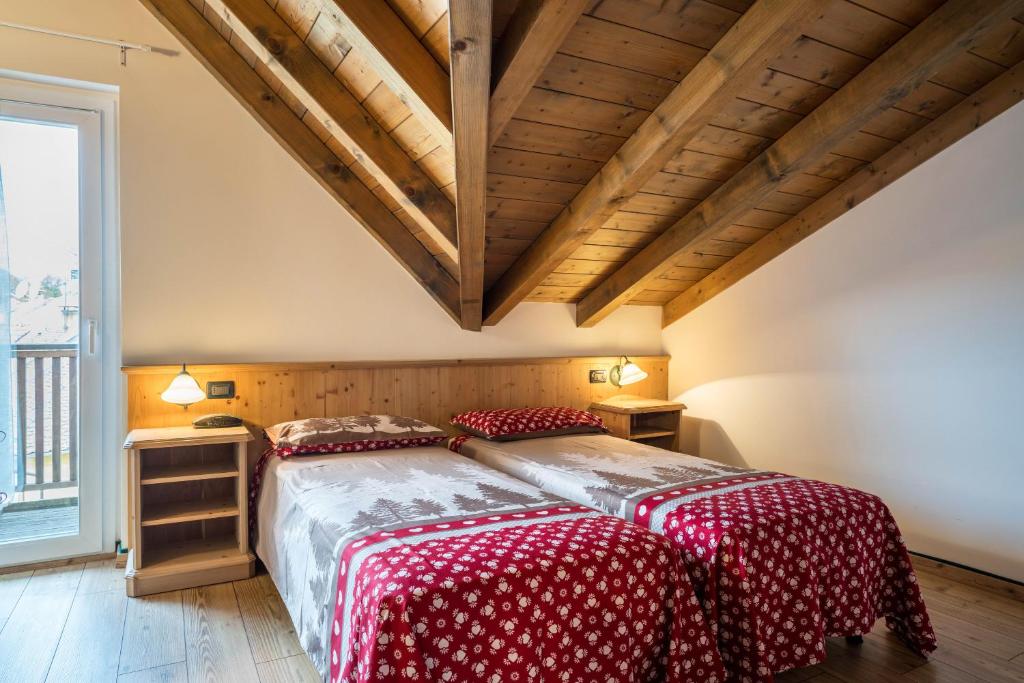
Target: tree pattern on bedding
x=780 y=562
x=321 y=502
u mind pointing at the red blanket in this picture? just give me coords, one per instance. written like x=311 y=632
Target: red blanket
x=781 y=563
x=555 y=594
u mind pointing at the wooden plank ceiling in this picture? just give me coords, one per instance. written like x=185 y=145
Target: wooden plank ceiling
x=770 y=119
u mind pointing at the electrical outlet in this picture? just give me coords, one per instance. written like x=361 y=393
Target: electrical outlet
x=224 y=389
x=598 y=376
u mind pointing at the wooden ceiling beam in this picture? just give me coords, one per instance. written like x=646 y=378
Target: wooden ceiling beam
x=945 y=34
x=470 y=45
x=740 y=57
x=381 y=37
x=253 y=93
x=977 y=110
x=270 y=38
x=533 y=35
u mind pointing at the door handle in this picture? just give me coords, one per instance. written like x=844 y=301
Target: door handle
x=90 y=330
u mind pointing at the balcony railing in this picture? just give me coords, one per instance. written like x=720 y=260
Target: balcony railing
x=45 y=388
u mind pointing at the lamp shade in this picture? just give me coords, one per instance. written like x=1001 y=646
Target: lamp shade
x=627 y=372
x=184 y=390
x=631 y=374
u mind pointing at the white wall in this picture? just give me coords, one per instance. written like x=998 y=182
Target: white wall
x=886 y=352
x=231 y=251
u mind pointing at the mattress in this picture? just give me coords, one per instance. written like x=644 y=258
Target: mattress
x=418 y=564
x=779 y=562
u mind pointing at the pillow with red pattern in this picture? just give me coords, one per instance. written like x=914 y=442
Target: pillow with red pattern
x=352 y=434
x=511 y=424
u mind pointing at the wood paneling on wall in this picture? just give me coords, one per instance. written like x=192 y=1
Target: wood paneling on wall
x=266 y=394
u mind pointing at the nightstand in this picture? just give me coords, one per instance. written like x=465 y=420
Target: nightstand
x=651 y=421
x=188 y=508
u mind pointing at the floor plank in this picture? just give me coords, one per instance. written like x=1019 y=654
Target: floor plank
x=967 y=658
x=990 y=640
x=27 y=642
x=937 y=672
x=60 y=579
x=153 y=633
x=853 y=664
x=217 y=649
x=797 y=675
x=172 y=673
x=978 y=614
x=89 y=646
x=883 y=647
x=267 y=624
x=11 y=588
x=936 y=585
x=294 y=669
x=101 y=576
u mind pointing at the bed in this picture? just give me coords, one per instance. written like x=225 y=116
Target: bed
x=417 y=564
x=779 y=562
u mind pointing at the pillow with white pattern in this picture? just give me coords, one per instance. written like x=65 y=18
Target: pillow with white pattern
x=510 y=424
x=351 y=434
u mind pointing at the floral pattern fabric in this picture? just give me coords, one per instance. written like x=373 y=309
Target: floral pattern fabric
x=511 y=423
x=780 y=563
x=553 y=594
x=420 y=565
x=455 y=443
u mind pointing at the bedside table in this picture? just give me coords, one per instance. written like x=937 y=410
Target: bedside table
x=651 y=421
x=188 y=508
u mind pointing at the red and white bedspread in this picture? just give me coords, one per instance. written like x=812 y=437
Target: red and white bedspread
x=419 y=565
x=780 y=563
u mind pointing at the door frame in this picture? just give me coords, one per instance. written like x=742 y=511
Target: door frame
x=101 y=254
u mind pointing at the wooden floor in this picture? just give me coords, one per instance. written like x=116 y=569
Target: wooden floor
x=74 y=623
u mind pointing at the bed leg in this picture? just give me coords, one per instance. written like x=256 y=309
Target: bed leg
x=855 y=640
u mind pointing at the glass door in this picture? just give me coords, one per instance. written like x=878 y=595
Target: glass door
x=50 y=284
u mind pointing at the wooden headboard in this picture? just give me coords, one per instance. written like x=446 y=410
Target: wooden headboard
x=268 y=393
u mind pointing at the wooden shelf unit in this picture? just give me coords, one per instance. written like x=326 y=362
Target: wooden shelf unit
x=651 y=421
x=188 y=516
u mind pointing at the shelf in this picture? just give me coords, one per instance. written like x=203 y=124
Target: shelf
x=187 y=554
x=188 y=511
x=638 y=433
x=179 y=437
x=172 y=474
x=634 y=405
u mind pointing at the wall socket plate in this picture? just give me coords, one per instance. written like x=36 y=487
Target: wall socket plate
x=598 y=376
x=223 y=389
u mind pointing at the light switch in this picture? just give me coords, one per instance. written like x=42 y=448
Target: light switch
x=223 y=389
